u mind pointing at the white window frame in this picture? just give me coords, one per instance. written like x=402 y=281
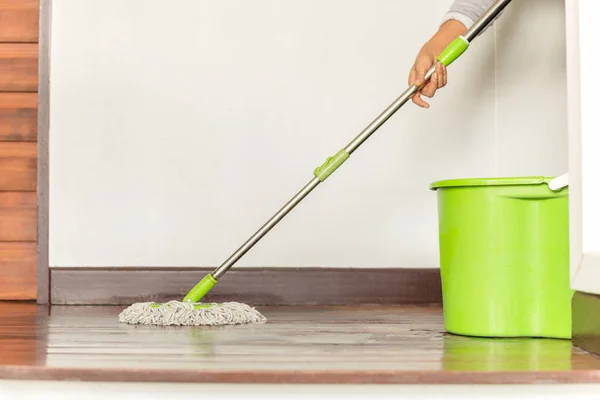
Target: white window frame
x=583 y=87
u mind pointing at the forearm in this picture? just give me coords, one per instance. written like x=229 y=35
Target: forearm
x=461 y=15
x=467 y=11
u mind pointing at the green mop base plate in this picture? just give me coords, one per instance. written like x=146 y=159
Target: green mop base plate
x=197 y=306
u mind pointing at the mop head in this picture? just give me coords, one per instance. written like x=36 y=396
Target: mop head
x=180 y=313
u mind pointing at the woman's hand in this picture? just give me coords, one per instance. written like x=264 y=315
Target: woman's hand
x=428 y=56
x=425 y=59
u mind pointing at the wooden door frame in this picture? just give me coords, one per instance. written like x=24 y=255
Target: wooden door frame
x=43 y=178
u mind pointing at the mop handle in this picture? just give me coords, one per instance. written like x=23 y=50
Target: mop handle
x=447 y=57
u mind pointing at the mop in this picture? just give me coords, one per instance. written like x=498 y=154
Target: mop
x=187 y=313
x=190 y=311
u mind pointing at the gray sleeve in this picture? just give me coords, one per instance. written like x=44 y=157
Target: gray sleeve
x=467 y=11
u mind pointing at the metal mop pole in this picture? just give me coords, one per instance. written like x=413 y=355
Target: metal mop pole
x=449 y=55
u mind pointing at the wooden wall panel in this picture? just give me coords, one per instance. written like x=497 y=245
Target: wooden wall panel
x=18 y=166
x=18 y=67
x=17 y=274
x=18 y=117
x=19 y=37
x=18 y=217
x=19 y=20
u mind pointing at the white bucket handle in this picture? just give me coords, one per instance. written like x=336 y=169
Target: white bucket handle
x=559 y=182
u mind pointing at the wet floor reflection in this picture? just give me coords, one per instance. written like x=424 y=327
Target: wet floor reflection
x=513 y=354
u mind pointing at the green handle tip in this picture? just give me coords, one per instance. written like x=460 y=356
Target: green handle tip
x=201 y=289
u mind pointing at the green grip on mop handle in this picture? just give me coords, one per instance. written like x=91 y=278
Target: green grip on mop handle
x=331 y=164
x=453 y=51
x=200 y=290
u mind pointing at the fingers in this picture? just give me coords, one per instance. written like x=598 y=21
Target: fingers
x=431 y=87
x=412 y=76
x=417 y=76
x=419 y=101
x=434 y=82
x=416 y=98
x=440 y=75
x=444 y=76
x=438 y=80
x=414 y=79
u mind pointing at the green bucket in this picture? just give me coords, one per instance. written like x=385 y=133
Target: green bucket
x=504 y=257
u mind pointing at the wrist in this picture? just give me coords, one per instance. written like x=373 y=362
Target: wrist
x=447 y=32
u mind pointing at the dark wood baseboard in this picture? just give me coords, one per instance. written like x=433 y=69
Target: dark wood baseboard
x=586 y=322
x=256 y=286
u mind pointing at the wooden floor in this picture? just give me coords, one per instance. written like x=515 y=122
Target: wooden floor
x=297 y=345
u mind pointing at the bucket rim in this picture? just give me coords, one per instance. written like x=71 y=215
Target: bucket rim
x=499 y=181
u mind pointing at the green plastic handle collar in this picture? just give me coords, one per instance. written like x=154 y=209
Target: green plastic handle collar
x=331 y=164
x=200 y=290
x=453 y=51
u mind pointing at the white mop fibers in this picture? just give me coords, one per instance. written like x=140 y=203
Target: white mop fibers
x=179 y=313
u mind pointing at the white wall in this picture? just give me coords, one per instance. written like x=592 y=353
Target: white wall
x=178 y=128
